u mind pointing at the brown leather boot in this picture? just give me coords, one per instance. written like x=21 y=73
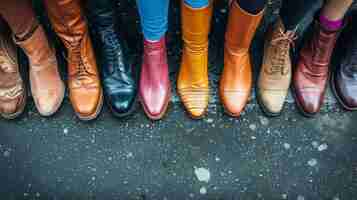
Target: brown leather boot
x=85 y=91
x=236 y=79
x=313 y=69
x=46 y=85
x=275 y=74
x=192 y=83
x=12 y=89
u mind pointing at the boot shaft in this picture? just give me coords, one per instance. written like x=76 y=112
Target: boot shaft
x=67 y=20
x=101 y=14
x=37 y=48
x=241 y=27
x=196 y=25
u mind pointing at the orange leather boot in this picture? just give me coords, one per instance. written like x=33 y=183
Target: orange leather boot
x=192 y=84
x=236 y=79
x=85 y=91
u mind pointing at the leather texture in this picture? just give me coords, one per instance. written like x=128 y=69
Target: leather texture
x=313 y=68
x=120 y=88
x=344 y=79
x=12 y=88
x=276 y=71
x=85 y=91
x=154 y=89
x=192 y=83
x=46 y=85
x=236 y=79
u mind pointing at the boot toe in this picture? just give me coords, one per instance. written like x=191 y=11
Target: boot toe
x=309 y=102
x=48 y=103
x=154 y=104
x=273 y=101
x=9 y=107
x=86 y=103
x=234 y=102
x=195 y=101
x=122 y=104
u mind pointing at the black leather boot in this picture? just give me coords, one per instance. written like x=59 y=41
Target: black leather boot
x=120 y=87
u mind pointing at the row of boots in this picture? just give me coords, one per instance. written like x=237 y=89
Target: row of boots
x=84 y=81
x=120 y=88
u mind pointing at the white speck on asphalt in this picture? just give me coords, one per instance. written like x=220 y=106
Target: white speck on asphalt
x=217 y=159
x=253 y=127
x=323 y=147
x=129 y=155
x=287 y=146
x=284 y=196
x=6 y=153
x=264 y=121
x=203 y=190
x=209 y=120
x=110 y=158
x=253 y=138
x=65 y=131
x=203 y=174
x=312 y=162
x=315 y=144
x=300 y=197
x=93 y=178
x=38 y=194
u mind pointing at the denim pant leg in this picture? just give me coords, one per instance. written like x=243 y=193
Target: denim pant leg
x=154 y=18
x=197 y=3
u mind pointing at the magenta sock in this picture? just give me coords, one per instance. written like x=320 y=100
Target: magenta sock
x=331 y=25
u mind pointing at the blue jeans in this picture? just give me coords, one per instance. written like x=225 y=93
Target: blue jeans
x=154 y=16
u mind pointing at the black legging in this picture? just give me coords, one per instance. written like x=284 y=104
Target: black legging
x=252 y=6
x=293 y=11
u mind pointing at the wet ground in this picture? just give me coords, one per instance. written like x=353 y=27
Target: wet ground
x=254 y=157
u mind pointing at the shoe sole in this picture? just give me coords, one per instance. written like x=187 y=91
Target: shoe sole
x=97 y=112
x=334 y=90
x=164 y=110
x=20 y=111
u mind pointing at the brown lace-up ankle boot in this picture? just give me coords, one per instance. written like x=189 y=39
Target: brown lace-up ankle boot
x=85 y=91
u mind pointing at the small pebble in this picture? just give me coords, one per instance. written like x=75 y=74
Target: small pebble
x=209 y=120
x=300 y=197
x=203 y=190
x=323 y=147
x=284 y=196
x=287 y=146
x=6 y=153
x=253 y=127
x=312 y=162
x=264 y=121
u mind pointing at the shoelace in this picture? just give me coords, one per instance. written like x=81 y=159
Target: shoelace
x=82 y=71
x=283 y=41
x=109 y=38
